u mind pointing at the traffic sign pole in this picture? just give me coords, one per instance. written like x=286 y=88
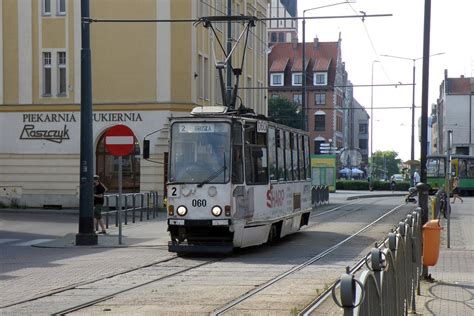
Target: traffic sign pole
x=119 y=141
x=120 y=198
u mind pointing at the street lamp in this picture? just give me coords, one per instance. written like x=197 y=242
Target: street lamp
x=412 y=152
x=372 y=125
x=303 y=70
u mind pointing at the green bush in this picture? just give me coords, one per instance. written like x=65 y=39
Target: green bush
x=364 y=185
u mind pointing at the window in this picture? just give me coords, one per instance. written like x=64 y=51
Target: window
x=320 y=122
x=272 y=154
x=297 y=99
x=47 y=74
x=61 y=7
x=273 y=37
x=256 y=168
x=281 y=37
x=320 y=98
x=363 y=128
x=275 y=96
x=46 y=7
x=276 y=79
x=237 y=162
x=320 y=78
x=288 y=162
x=62 y=78
x=280 y=143
x=338 y=123
x=363 y=144
x=306 y=156
x=296 y=79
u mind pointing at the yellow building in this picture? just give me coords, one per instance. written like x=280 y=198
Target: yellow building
x=142 y=73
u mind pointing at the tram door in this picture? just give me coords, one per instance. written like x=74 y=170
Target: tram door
x=107 y=168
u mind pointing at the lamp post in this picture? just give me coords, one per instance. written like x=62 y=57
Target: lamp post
x=412 y=149
x=303 y=62
x=372 y=126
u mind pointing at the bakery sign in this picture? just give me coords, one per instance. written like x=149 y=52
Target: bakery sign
x=33 y=129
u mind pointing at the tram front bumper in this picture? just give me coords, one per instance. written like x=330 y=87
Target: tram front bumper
x=208 y=248
x=200 y=236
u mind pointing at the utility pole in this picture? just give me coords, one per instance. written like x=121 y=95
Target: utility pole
x=229 y=49
x=86 y=235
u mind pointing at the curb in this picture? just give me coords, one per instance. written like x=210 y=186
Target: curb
x=368 y=196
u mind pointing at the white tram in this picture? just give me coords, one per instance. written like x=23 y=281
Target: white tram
x=234 y=180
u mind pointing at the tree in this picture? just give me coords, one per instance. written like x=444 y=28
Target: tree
x=385 y=164
x=285 y=112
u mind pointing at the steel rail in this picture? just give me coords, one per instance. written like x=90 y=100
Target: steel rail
x=112 y=295
x=299 y=267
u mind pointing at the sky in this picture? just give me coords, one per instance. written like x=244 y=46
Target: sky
x=400 y=35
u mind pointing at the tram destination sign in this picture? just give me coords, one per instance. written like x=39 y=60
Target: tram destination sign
x=119 y=140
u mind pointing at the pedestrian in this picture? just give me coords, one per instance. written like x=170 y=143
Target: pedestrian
x=416 y=177
x=456 y=190
x=392 y=183
x=99 y=190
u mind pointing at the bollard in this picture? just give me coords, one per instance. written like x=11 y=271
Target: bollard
x=348 y=293
x=107 y=213
x=116 y=210
x=133 y=208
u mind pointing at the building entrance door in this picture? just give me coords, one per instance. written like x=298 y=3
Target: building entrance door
x=107 y=168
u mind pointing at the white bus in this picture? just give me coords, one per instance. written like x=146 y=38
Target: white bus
x=234 y=180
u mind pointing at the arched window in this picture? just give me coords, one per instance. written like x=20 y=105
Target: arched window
x=107 y=168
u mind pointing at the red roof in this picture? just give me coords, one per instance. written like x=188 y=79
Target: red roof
x=279 y=65
x=459 y=85
x=297 y=65
x=324 y=53
x=322 y=64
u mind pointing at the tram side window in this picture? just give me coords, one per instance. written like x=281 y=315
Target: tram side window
x=306 y=157
x=280 y=145
x=272 y=152
x=301 y=157
x=288 y=163
x=237 y=161
x=294 y=155
x=256 y=168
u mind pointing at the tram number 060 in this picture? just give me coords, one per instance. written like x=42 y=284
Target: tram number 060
x=199 y=203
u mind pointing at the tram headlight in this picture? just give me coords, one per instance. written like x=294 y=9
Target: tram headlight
x=181 y=210
x=216 y=211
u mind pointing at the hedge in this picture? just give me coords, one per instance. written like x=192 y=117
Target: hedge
x=364 y=185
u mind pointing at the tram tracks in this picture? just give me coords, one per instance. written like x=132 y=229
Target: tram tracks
x=252 y=293
x=89 y=285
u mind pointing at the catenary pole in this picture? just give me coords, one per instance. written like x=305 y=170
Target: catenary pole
x=229 y=49
x=86 y=235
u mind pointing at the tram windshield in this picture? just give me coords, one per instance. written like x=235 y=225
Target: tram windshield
x=200 y=152
x=435 y=167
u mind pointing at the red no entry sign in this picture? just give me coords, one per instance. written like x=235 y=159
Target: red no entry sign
x=119 y=140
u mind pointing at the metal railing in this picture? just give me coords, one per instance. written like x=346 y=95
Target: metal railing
x=134 y=205
x=319 y=195
x=388 y=286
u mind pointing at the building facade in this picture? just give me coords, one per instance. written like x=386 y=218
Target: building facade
x=325 y=87
x=454 y=111
x=142 y=74
x=282 y=31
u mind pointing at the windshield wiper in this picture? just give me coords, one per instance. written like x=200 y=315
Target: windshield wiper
x=214 y=175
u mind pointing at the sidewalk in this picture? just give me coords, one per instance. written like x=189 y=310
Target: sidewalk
x=452 y=290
